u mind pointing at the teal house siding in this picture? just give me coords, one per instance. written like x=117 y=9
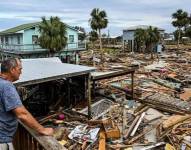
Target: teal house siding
x=29 y=38
x=22 y=41
x=28 y=34
x=72 y=36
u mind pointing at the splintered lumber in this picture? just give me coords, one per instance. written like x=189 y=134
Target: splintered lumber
x=118 y=146
x=139 y=108
x=186 y=95
x=138 y=136
x=43 y=120
x=124 y=120
x=84 y=145
x=142 y=110
x=167 y=103
x=187 y=143
x=73 y=146
x=137 y=124
x=102 y=138
x=167 y=84
x=150 y=121
x=153 y=146
x=131 y=127
x=173 y=120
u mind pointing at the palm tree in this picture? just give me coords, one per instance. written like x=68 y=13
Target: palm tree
x=98 y=21
x=52 y=35
x=153 y=37
x=140 y=38
x=180 y=20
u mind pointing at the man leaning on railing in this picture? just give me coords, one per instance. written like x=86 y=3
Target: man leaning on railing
x=11 y=107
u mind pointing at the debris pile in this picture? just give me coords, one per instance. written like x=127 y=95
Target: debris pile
x=156 y=117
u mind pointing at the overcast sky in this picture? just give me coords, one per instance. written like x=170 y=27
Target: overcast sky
x=121 y=13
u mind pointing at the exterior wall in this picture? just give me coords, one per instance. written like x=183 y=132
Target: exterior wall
x=27 y=42
x=27 y=46
x=74 y=43
x=12 y=39
x=28 y=38
x=128 y=35
x=12 y=42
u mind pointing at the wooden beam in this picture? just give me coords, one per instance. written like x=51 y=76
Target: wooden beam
x=102 y=137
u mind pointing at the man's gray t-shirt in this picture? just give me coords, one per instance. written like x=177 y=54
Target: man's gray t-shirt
x=9 y=100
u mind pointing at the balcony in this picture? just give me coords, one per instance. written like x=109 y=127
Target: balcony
x=36 y=47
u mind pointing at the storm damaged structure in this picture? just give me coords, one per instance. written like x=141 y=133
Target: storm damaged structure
x=47 y=85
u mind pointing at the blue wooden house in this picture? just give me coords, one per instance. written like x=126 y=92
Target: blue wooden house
x=22 y=41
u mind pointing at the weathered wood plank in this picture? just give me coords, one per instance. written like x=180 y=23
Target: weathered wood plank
x=47 y=142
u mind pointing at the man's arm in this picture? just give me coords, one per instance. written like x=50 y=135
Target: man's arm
x=25 y=117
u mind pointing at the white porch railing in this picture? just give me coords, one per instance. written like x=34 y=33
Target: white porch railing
x=31 y=47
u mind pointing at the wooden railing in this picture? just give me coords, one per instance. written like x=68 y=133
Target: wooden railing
x=31 y=47
x=24 y=141
x=27 y=139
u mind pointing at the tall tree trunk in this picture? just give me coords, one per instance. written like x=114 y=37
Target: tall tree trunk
x=93 y=54
x=178 y=37
x=100 y=43
x=151 y=48
x=144 y=47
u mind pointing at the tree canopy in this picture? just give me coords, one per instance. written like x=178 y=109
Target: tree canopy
x=147 y=38
x=52 y=34
x=181 y=20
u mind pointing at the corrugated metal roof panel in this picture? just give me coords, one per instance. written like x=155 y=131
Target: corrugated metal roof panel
x=47 y=69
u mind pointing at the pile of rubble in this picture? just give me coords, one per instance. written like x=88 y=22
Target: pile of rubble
x=158 y=117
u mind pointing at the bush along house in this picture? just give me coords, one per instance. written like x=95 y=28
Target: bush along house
x=22 y=42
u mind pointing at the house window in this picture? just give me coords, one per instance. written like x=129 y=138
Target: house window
x=6 y=40
x=18 y=40
x=2 y=40
x=71 y=38
x=35 y=39
x=11 y=40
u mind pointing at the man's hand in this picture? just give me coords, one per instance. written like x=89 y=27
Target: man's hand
x=25 y=117
x=47 y=131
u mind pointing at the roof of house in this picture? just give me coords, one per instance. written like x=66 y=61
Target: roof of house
x=141 y=27
x=24 y=27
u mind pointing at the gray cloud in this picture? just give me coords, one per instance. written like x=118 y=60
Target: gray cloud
x=121 y=13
